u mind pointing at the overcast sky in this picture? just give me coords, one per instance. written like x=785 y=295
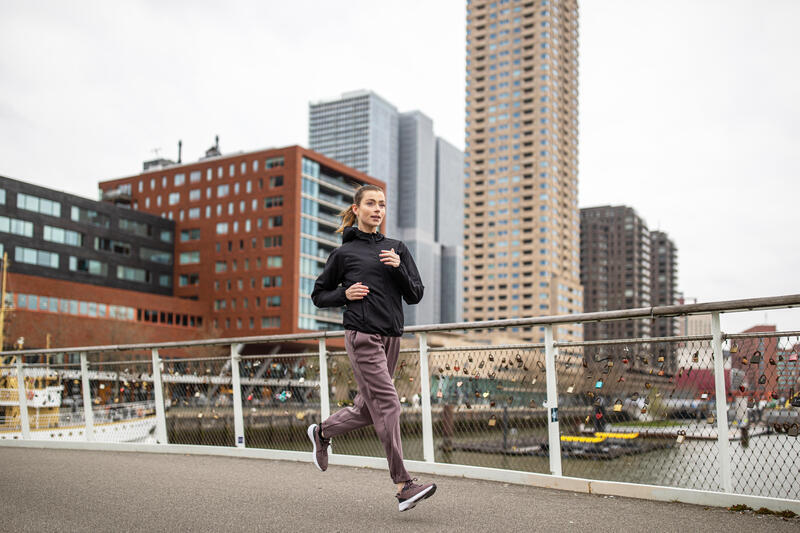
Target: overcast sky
x=688 y=109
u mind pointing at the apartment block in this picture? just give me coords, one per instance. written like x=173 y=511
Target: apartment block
x=253 y=231
x=521 y=219
x=664 y=281
x=615 y=269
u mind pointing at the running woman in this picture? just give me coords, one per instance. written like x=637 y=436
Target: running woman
x=369 y=274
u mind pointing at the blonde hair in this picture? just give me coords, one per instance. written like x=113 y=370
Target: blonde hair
x=348 y=217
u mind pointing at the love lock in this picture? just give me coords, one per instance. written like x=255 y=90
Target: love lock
x=794 y=430
x=762 y=379
x=796 y=401
x=681 y=436
x=756 y=358
x=618 y=406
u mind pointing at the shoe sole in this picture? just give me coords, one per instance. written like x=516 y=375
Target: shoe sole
x=310 y=433
x=410 y=504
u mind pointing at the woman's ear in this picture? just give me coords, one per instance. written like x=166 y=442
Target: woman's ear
x=354 y=209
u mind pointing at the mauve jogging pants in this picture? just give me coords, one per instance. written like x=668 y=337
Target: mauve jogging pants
x=373 y=358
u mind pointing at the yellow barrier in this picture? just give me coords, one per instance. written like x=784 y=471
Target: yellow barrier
x=617 y=435
x=590 y=440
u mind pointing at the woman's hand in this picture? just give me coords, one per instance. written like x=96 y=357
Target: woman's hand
x=356 y=291
x=389 y=257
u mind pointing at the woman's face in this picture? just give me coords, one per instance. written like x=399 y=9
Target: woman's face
x=370 y=211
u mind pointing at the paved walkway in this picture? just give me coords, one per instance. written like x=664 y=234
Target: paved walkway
x=67 y=490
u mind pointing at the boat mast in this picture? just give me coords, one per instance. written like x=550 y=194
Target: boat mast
x=3 y=302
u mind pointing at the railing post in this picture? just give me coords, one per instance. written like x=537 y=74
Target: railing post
x=324 y=390
x=425 y=392
x=88 y=412
x=158 y=392
x=553 y=433
x=25 y=423
x=722 y=405
x=236 y=385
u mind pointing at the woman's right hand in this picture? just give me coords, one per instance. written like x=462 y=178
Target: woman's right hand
x=356 y=291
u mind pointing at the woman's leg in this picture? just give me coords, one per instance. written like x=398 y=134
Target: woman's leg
x=349 y=418
x=374 y=358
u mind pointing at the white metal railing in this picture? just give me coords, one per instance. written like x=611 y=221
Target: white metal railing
x=552 y=365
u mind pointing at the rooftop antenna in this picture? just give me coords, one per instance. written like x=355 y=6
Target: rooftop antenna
x=180 y=146
x=216 y=142
x=156 y=151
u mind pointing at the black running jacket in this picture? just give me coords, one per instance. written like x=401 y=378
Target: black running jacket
x=358 y=260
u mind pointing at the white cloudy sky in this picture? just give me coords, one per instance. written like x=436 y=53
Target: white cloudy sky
x=688 y=108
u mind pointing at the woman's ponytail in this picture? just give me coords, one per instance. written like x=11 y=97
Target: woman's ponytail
x=348 y=217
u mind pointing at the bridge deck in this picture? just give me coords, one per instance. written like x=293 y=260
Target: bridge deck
x=87 y=490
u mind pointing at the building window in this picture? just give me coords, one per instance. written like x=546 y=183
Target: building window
x=189 y=258
x=273 y=162
x=222 y=191
x=32 y=256
x=2 y=197
x=89 y=216
x=273 y=241
x=275 y=181
x=274 y=261
x=156 y=256
x=194 y=213
x=180 y=179
x=190 y=234
x=90 y=266
x=61 y=236
x=273 y=201
x=165 y=280
x=38 y=205
x=222 y=228
x=137 y=228
x=133 y=274
x=270 y=322
x=271 y=281
x=17 y=227
x=220 y=266
x=274 y=222
x=110 y=245
x=165 y=235
x=174 y=198
x=188 y=279
x=273 y=301
x=195 y=176
x=195 y=195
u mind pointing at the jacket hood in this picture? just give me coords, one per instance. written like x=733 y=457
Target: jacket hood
x=350 y=233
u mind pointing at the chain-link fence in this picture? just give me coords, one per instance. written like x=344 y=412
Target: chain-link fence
x=640 y=412
x=280 y=398
x=689 y=412
x=123 y=406
x=487 y=407
x=764 y=407
x=198 y=398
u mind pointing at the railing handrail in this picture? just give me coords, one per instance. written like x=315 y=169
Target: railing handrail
x=749 y=304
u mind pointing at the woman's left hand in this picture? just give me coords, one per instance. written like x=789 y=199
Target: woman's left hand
x=389 y=257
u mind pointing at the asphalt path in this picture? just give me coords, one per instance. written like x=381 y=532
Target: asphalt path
x=71 y=490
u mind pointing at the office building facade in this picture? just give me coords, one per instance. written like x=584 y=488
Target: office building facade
x=253 y=231
x=424 y=181
x=82 y=272
x=521 y=230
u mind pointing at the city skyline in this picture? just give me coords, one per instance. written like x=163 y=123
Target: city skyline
x=678 y=111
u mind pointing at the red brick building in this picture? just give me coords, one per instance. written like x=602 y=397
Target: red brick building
x=253 y=230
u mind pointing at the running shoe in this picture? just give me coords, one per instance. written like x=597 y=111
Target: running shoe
x=411 y=494
x=321 y=446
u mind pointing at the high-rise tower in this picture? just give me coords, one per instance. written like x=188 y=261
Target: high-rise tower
x=522 y=225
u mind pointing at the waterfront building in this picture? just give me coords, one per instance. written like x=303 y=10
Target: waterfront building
x=82 y=272
x=252 y=232
x=521 y=226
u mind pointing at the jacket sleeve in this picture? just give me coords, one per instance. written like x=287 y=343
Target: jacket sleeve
x=407 y=276
x=328 y=290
